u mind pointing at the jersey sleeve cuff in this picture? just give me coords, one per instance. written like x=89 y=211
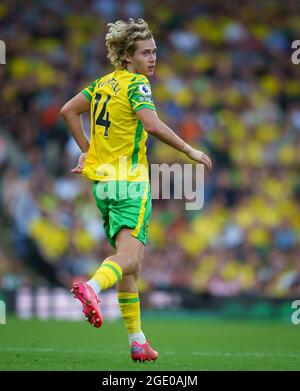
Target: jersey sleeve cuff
x=87 y=95
x=145 y=106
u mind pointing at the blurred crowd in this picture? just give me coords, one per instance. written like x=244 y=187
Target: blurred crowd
x=224 y=82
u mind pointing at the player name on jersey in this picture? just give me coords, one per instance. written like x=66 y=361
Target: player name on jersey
x=113 y=83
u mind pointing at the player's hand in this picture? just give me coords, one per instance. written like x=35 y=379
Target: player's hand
x=198 y=156
x=80 y=165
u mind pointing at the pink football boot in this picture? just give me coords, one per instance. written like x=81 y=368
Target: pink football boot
x=90 y=302
x=143 y=352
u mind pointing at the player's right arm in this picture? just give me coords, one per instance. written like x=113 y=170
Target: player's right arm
x=153 y=125
x=71 y=113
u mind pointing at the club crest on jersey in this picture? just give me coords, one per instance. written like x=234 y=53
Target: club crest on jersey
x=145 y=90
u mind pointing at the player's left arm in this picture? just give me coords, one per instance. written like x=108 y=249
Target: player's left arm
x=140 y=98
x=71 y=113
x=152 y=124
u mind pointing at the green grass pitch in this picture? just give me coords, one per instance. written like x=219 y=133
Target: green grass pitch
x=186 y=343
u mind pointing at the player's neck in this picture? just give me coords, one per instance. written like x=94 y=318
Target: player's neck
x=131 y=69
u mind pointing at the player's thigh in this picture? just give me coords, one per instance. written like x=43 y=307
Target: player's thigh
x=128 y=244
x=129 y=219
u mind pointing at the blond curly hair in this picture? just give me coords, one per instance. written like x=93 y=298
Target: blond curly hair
x=122 y=36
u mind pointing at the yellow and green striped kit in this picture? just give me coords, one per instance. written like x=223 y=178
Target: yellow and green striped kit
x=124 y=204
x=116 y=131
x=129 y=304
x=108 y=274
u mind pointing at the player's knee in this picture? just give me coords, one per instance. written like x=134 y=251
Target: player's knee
x=131 y=262
x=135 y=263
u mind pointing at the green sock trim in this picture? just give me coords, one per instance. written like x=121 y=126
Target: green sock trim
x=119 y=277
x=133 y=300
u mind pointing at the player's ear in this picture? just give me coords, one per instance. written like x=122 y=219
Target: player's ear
x=127 y=57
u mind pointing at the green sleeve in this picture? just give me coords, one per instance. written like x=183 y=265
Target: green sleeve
x=140 y=96
x=88 y=91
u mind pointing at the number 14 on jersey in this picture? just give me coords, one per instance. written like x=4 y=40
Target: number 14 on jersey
x=103 y=117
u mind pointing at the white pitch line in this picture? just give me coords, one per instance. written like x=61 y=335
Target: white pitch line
x=11 y=349
x=252 y=354
x=15 y=349
x=98 y=351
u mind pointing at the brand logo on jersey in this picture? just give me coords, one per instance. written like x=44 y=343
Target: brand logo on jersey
x=145 y=90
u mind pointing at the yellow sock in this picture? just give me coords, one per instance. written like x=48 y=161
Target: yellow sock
x=108 y=274
x=129 y=304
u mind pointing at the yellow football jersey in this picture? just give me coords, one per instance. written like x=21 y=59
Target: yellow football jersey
x=117 y=137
